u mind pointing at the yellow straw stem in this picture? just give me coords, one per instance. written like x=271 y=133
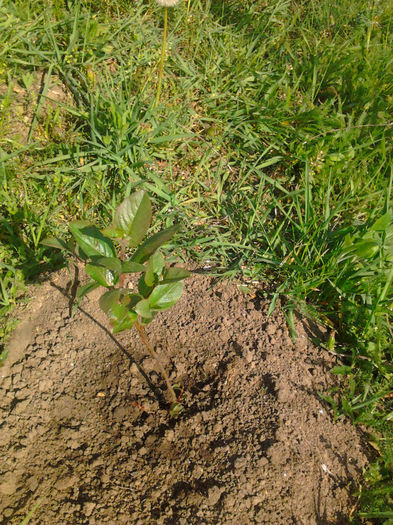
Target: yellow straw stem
x=162 y=61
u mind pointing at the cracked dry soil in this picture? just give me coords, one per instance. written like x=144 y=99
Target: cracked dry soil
x=83 y=436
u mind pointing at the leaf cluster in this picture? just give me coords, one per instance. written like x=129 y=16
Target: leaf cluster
x=104 y=253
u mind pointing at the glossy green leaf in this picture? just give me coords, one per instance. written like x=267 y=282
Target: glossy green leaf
x=143 y=289
x=147 y=320
x=132 y=267
x=133 y=217
x=152 y=244
x=102 y=275
x=109 y=301
x=154 y=268
x=53 y=242
x=175 y=274
x=112 y=232
x=166 y=295
x=82 y=292
x=86 y=289
x=120 y=316
x=143 y=309
x=130 y=300
x=91 y=240
x=112 y=263
x=124 y=323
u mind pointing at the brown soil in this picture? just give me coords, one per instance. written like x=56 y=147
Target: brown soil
x=83 y=435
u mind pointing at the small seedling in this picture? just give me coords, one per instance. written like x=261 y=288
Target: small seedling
x=118 y=250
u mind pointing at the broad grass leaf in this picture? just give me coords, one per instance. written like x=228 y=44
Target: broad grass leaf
x=366 y=249
x=133 y=217
x=341 y=370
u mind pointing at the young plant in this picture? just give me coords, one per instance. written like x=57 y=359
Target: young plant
x=118 y=250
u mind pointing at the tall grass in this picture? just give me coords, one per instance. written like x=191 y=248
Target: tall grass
x=272 y=141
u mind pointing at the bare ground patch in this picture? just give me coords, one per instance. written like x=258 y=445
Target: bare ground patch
x=82 y=431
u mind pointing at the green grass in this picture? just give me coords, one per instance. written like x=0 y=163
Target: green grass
x=272 y=143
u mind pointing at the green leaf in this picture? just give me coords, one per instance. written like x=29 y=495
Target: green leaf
x=363 y=249
x=109 y=301
x=133 y=217
x=86 y=289
x=143 y=289
x=3 y=356
x=176 y=409
x=91 y=240
x=125 y=323
x=132 y=267
x=366 y=249
x=147 y=320
x=382 y=223
x=130 y=300
x=152 y=244
x=166 y=295
x=53 y=242
x=112 y=232
x=341 y=370
x=102 y=275
x=109 y=262
x=81 y=293
x=154 y=268
x=120 y=316
x=143 y=309
x=175 y=274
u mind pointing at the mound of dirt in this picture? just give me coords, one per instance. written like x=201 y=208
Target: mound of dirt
x=85 y=440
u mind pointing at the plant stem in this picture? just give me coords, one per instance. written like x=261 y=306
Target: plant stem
x=162 y=61
x=154 y=354
x=121 y=256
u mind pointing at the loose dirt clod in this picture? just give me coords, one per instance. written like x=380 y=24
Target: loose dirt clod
x=82 y=430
